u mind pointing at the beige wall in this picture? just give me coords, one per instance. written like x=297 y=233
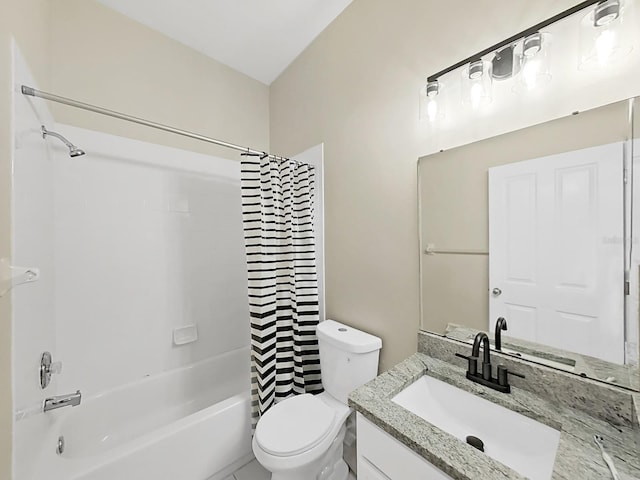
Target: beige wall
x=27 y=21
x=102 y=57
x=356 y=89
x=454 y=210
x=636 y=121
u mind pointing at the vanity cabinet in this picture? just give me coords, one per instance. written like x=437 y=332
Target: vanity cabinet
x=382 y=457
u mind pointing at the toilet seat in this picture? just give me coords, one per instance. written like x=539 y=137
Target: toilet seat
x=294 y=426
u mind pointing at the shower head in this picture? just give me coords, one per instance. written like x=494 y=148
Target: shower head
x=73 y=150
x=76 y=152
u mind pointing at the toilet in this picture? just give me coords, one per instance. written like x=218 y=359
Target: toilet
x=300 y=438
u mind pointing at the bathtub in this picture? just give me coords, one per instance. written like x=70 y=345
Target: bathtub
x=191 y=423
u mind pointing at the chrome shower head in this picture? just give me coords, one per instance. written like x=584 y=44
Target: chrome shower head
x=76 y=152
x=73 y=150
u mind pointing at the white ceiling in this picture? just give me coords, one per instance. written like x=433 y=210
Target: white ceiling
x=259 y=38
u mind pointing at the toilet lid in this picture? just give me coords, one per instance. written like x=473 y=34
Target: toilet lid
x=294 y=425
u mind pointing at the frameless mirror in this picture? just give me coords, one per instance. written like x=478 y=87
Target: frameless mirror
x=539 y=227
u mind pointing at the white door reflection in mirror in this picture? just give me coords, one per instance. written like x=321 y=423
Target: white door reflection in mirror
x=556 y=230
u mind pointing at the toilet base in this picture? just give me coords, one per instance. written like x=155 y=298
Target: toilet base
x=340 y=472
x=331 y=466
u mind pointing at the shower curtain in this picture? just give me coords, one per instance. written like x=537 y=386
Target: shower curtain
x=277 y=210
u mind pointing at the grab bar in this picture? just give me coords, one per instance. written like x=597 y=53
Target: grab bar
x=431 y=250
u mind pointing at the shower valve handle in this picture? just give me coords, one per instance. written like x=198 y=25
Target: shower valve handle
x=48 y=368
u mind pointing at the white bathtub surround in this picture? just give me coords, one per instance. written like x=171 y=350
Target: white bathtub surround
x=134 y=241
x=278 y=214
x=33 y=327
x=148 y=239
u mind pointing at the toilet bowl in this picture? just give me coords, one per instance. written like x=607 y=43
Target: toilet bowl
x=301 y=438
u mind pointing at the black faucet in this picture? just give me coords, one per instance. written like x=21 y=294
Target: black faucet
x=501 y=324
x=485 y=376
x=486 y=358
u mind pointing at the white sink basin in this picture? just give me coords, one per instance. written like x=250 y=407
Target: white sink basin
x=526 y=446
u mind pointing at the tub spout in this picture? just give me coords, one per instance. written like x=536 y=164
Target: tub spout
x=70 y=400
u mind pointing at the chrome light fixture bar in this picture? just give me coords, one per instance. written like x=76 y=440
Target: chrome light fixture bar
x=606 y=15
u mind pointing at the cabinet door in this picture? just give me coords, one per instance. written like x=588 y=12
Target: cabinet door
x=366 y=471
x=382 y=457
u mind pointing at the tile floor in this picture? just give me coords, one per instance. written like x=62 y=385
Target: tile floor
x=254 y=471
x=251 y=471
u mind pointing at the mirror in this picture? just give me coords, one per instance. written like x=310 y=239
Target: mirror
x=539 y=227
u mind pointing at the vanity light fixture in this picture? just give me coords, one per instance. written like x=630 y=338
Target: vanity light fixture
x=536 y=69
x=527 y=55
x=477 y=83
x=430 y=109
x=604 y=36
x=433 y=88
x=532 y=44
x=606 y=12
x=505 y=63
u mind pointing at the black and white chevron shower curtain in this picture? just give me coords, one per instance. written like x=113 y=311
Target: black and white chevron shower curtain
x=277 y=210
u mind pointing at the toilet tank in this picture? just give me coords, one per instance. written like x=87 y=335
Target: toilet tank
x=348 y=358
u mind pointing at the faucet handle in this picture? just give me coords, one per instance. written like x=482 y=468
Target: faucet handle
x=56 y=367
x=47 y=368
x=503 y=374
x=472 y=368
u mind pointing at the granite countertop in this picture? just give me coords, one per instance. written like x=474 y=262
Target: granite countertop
x=578 y=457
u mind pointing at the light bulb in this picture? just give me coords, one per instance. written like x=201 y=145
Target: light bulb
x=605 y=43
x=476 y=83
x=476 y=94
x=429 y=108
x=432 y=109
x=535 y=68
x=530 y=73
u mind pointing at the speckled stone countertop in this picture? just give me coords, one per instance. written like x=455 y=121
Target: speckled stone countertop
x=578 y=457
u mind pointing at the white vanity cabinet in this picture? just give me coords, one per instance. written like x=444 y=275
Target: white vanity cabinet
x=382 y=457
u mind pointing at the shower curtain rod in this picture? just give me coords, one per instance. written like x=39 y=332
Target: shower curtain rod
x=30 y=91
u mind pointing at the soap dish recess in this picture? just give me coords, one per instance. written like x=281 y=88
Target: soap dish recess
x=185 y=335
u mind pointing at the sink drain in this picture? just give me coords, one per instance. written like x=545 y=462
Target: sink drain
x=475 y=442
x=60 y=447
